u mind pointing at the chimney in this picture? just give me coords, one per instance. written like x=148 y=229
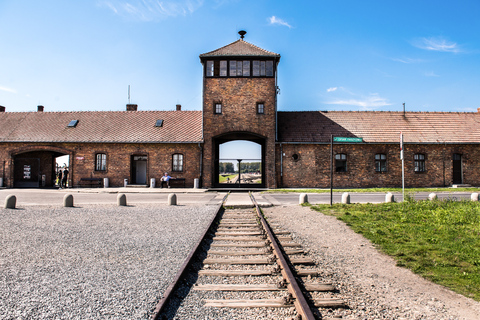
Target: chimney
x=179 y=107
x=132 y=107
x=2 y=109
x=39 y=108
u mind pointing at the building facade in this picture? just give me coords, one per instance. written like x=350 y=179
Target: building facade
x=240 y=103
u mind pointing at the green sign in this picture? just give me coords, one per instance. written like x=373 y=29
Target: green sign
x=347 y=139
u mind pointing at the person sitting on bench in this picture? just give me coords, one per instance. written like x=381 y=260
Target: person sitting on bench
x=165 y=179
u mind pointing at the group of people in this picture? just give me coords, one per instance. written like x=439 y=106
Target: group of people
x=62 y=178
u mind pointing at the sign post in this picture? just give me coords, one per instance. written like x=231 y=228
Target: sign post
x=338 y=139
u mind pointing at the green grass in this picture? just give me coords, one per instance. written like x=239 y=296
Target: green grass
x=223 y=177
x=439 y=240
x=410 y=190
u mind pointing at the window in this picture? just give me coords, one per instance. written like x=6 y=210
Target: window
x=239 y=68
x=256 y=68
x=216 y=68
x=72 y=124
x=419 y=162
x=260 y=108
x=380 y=162
x=177 y=162
x=100 y=162
x=218 y=108
x=246 y=68
x=223 y=68
x=233 y=68
x=269 y=68
x=341 y=162
x=209 y=68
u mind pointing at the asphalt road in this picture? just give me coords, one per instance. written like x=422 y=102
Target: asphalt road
x=32 y=197
x=292 y=198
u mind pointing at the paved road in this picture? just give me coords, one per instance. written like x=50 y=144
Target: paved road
x=292 y=198
x=32 y=197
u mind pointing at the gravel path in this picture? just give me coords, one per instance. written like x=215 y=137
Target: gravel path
x=94 y=262
x=371 y=283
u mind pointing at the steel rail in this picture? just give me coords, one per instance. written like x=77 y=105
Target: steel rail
x=300 y=302
x=161 y=305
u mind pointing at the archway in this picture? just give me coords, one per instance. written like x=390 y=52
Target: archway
x=239 y=161
x=37 y=168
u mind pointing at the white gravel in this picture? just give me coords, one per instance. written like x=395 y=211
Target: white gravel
x=94 y=262
x=371 y=283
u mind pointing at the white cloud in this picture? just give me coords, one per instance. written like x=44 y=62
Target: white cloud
x=275 y=20
x=332 y=89
x=407 y=60
x=8 y=90
x=148 y=10
x=437 y=44
x=430 y=74
x=373 y=101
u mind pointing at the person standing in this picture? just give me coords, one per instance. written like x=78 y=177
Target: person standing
x=59 y=178
x=65 y=177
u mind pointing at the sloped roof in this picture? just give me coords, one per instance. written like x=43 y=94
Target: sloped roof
x=240 y=48
x=102 y=126
x=380 y=127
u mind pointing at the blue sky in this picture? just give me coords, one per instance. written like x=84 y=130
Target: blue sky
x=336 y=55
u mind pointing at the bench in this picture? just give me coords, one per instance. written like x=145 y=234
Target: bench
x=92 y=181
x=176 y=181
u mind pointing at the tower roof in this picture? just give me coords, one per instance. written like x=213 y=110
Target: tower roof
x=240 y=48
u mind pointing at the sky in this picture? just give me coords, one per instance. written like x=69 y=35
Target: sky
x=335 y=55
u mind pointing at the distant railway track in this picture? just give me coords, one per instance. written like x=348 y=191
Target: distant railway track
x=251 y=264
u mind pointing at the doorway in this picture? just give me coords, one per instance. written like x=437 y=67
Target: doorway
x=38 y=169
x=139 y=169
x=457 y=169
x=239 y=161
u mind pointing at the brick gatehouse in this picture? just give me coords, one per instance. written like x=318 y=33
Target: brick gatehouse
x=240 y=103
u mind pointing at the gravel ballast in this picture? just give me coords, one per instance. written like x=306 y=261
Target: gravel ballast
x=371 y=283
x=94 y=262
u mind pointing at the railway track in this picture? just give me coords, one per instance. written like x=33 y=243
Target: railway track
x=245 y=267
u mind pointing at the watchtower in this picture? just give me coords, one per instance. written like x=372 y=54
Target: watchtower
x=239 y=103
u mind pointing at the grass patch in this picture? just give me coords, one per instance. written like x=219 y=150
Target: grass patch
x=410 y=190
x=439 y=240
x=223 y=178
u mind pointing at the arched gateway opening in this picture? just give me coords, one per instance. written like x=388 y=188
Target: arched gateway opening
x=38 y=168
x=239 y=161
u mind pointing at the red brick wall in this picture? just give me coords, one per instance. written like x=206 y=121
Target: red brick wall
x=239 y=98
x=312 y=169
x=82 y=160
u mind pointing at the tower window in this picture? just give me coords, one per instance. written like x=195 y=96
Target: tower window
x=210 y=66
x=223 y=68
x=260 y=108
x=218 y=108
